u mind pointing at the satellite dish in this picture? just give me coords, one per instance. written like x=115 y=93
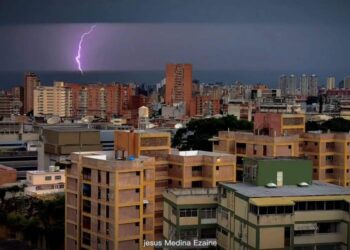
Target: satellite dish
x=87 y=119
x=53 y=120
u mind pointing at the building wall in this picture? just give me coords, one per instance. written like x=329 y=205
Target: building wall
x=178 y=86
x=7 y=175
x=239 y=227
x=31 y=81
x=120 y=187
x=45 y=178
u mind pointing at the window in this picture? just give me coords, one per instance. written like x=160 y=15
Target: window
x=223 y=193
x=331 y=227
x=86 y=206
x=86 y=239
x=107 y=228
x=196 y=184
x=98 y=225
x=188 y=234
x=87 y=190
x=48 y=178
x=98 y=209
x=253 y=209
x=208 y=233
x=87 y=174
x=86 y=222
x=107 y=178
x=107 y=194
x=58 y=177
x=188 y=212
x=329 y=171
x=99 y=193
x=107 y=211
x=208 y=213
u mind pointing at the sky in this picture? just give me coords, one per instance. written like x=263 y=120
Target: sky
x=249 y=35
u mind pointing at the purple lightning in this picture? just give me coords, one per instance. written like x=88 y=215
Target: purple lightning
x=77 y=58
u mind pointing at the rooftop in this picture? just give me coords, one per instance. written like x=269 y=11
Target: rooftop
x=192 y=191
x=6 y=168
x=316 y=189
x=198 y=153
x=40 y=172
x=70 y=129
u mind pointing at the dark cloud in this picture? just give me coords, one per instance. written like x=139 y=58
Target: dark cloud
x=231 y=11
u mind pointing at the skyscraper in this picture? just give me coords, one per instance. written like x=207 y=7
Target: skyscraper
x=313 y=85
x=178 y=87
x=330 y=82
x=291 y=85
x=304 y=85
x=283 y=84
x=31 y=81
x=347 y=82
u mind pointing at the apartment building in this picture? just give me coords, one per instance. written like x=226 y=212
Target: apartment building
x=246 y=144
x=53 y=100
x=174 y=169
x=329 y=153
x=150 y=143
x=241 y=110
x=178 y=87
x=277 y=124
x=41 y=183
x=190 y=213
x=31 y=81
x=9 y=105
x=197 y=169
x=109 y=201
x=297 y=214
x=205 y=106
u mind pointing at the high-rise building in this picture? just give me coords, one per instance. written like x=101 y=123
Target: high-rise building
x=288 y=84
x=31 y=81
x=18 y=92
x=330 y=82
x=153 y=144
x=347 y=82
x=313 y=85
x=178 y=86
x=102 y=100
x=53 y=100
x=304 y=85
x=109 y=201
x=283 y=84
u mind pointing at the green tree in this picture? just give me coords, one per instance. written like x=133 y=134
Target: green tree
x=197 y=133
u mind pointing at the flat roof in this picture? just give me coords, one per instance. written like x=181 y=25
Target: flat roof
x=6 y=168
x=192 y=191
x=199 y=152
x=316 y=189
x=71 y=129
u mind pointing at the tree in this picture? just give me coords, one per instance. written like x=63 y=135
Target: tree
x=333 y=125
x=197 y=133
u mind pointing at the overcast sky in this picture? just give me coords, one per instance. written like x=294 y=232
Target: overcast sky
x=287 y=35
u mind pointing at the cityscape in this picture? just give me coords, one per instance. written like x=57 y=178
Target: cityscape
x=180 y=155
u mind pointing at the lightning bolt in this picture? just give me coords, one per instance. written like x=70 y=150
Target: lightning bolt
x=77 y=58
